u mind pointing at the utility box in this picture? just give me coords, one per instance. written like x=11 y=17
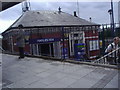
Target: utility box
x=79 y=51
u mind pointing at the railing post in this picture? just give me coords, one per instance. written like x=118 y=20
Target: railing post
x=119 y=57
x=103 y=39
x=115 y=58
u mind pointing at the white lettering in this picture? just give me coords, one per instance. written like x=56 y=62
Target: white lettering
x=46 y=40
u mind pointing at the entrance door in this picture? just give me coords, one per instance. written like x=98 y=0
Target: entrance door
x=39 y=49
x=45 y=50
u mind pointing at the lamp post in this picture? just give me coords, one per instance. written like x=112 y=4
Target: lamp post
x=111 y=25
x=112 y=20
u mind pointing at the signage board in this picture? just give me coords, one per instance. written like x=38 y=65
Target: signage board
x=43 y=40
x=79 y=51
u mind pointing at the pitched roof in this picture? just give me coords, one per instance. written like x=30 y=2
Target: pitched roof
x=49 y=18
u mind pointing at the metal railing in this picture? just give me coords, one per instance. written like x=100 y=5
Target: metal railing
x=103 y=59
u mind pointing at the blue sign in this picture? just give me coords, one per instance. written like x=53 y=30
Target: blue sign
x=79 y=51
x=65 y=53
x=43 y=40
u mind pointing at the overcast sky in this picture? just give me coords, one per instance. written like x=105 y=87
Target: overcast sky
x=98 y=11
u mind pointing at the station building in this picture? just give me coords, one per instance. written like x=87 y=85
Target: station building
x=53 y=34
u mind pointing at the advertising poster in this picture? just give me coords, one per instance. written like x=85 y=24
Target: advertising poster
x=79 y=51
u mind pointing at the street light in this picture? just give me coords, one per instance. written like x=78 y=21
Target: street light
x=112 y=19
x=110 y=12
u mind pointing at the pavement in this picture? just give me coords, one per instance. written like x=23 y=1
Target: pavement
x=40 y=73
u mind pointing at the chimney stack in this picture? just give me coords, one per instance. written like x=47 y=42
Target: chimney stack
x=75 y=14
x=25 y=6
x=90 y=19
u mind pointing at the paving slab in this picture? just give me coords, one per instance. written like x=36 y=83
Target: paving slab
x=40 y=73
x=62 y=83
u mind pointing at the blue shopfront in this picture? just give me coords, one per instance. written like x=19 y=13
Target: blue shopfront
x=45 y=47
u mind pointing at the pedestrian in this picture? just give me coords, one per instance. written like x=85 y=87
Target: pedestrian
x=111 y=59
x=119 y=56
x=21 y=42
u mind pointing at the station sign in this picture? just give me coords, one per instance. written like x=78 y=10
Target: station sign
x=43 y=40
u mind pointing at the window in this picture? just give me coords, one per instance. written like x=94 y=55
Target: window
x=81 y=35
x=76 y=41
x=94 y=45
x=75 y=35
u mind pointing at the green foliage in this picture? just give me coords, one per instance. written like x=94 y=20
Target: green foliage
x=107 y=33
x=118 y=32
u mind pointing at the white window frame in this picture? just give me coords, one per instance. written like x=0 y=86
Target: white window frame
x=94 y=45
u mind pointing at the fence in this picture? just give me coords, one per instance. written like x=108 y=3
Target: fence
x=106 y=36
x=103 y=59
